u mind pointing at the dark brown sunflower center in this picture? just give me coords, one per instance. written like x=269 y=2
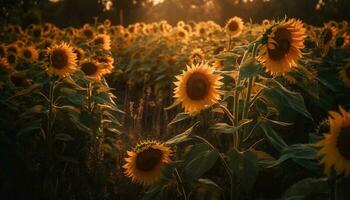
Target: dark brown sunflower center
x=88 y=33
x=233 y=26
x=197 y=86
x=181 y=34
x=148 y=159
x=37 y=33
x=327 y=36
x=27 y=53
x=2 y=52
x=339 y=41
x=11 y=59
x=282 y=38
x=343 y=142
x=59 y=59
x=99 y=41
x=89 y=68
x=347 y=72
x=201 y=30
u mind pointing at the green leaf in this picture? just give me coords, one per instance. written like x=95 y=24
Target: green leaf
x=210 y=183
x=244 y=166
x=276 y=141
x=250 y=69
x=343 y=188
x=281 y=97
x=30 y=127
x=302 y=154
x=223 y=128
x=200 y=164
x=182 y=137
x=179 y=117
x=63 y=137
x=307 y=188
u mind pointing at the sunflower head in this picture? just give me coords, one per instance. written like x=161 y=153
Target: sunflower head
x=12 y=59
x=88 y=33
x=107 y=23
x=342 y=41
x=327 y=35
x=234 y=26
x=144 y=164
x=104 y=41
x=12 y=48
x=196 y=54
x=197 y=87
x=5 y=66
x=106 y=63
x=181 y=33
x=266 y=22
x=62 y=60
x=30 y=53
x=335 y=147
x=92 y=69
x=282 y=46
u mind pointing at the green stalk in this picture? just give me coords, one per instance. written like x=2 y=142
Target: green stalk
x=180 y=183
x=224 y=163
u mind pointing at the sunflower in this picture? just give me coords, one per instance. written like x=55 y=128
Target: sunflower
x=144 y=164
x=342 y=41
x=180 y=24
x=62 y=60
x=12 y=59
x=37 y=32
x=12 y=48
x=196 y=54
x=104 y=41
x=107 y=23
x=80 y=53
x=2 y=51
x=344 y=75
x=30 y=53
x=106 y=63
x=266 y=22
x=5 y=66
x=101 y=29
x=335 y=147
x=197 y=87
x=282 y=46
x=327 y=35
x=92 y=69
x=181 y=33
x=88 y=33
x=234 y=26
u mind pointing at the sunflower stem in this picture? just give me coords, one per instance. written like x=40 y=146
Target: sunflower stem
x=180 y=183
x=224 y=163
x=89 y=96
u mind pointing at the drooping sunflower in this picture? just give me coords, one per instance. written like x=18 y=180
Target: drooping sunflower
x=197 y=87
x=104 y=41
x=282 y=46
x=88 y=33
x=62 y=60
x=327 y=35
x=92 y=69
x=344 y=75
x=335 y=147
x=106 y=63
x=144 y=164
x=107 y=23
x=234 y=26
x=30 y=53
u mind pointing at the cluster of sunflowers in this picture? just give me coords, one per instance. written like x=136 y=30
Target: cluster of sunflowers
x=237 y=91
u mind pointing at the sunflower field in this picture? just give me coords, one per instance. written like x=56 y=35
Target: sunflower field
x=192 y=110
